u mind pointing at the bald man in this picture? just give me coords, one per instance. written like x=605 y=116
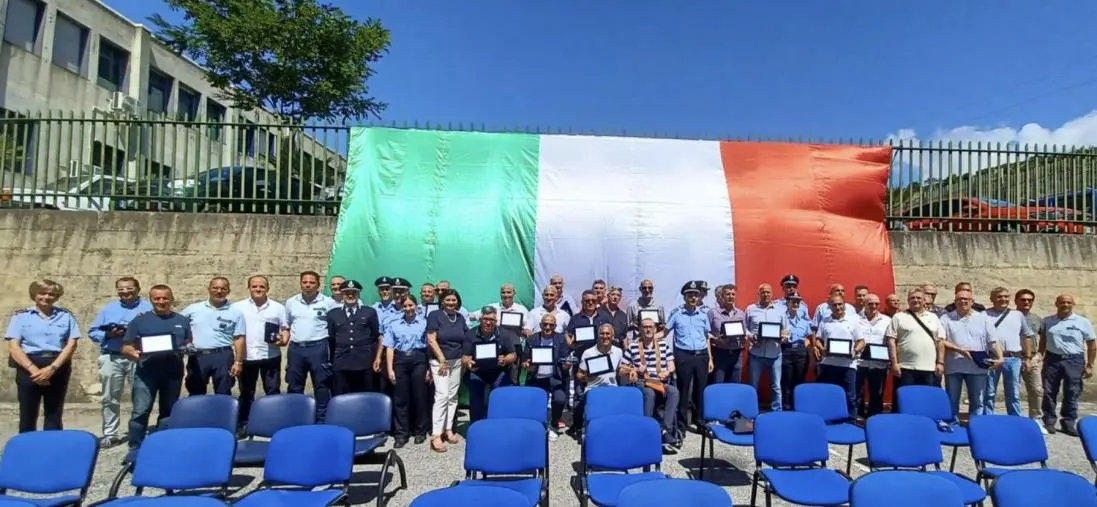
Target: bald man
x=1068 y=346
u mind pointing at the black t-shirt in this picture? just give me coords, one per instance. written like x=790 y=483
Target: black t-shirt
x=506 y=339
x=451 y=331
x=152 y=324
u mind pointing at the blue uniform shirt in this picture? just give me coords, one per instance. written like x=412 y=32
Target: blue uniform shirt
x=307 y=319
x=386 y=310
x=799 y=327
x=1067 y=336
x=115 y=313
x=37 y=333
x=783 y=305
x=690 y=328
x=404 y=335
x=214 y=327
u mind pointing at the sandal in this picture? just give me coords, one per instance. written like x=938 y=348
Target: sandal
x=437 y=445
x=453 y=438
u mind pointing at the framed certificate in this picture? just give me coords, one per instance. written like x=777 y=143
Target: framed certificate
x=430 y=308
x=769 y=330
x=541 y=355
x=652 y=315
x=157 y=344
x=486 y=351
x=877 y=352
x=270 y=332
x=584 y=334
x=839 y=348
x=599 y=365
x=511 y=319
x=734 y=329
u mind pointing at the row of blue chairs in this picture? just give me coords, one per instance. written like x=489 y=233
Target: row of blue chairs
x=29 y=463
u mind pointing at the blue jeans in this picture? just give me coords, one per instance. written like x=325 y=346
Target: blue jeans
x=976 y=384
x=760 y=364
x=670 y=404
x=478 y=392
x=1011 y=370
x=155 y=378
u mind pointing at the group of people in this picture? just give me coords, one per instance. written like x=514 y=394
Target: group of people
x=421 y=350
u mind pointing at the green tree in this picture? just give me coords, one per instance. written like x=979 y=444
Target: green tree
x=298 y=58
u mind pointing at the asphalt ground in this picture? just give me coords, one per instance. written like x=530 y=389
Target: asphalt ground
x=428 y=470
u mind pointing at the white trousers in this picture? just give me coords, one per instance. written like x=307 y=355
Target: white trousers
x=446 y=396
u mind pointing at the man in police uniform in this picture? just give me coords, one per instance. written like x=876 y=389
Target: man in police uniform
x=354 y=335
x=789 y=284
x=385 y=305
x=309 y=353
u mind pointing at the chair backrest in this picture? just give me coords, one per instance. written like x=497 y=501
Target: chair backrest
x=205 y=411
x=613 y=400
x=310 y=456
x=665 y=492
x=1025 y=488
x=518 y=402
x=278 y=411
x=720 y=400
x=928 y=401
x=45 y=462
x=824 y=400
x=506 y=446
x=362 y=413
x=495 y=496
x=185 y=458
x=1087 y=429
x=902 y=441
x=903 y=488
x=988 y=432
x=790 y=439
x=623 y=442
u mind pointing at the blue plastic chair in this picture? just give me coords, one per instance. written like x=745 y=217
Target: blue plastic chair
x=619 y=443
x=932 y=402
x=483 y=495
x=490 y=459
x=719 y=401
x=269 y=415
x=183 y=460
x=992 y=457
x=300 y=459
x=829 y=402
x=176 y=501
x=1046 y=487
x=794 y=445
x=519 y=402
x=903 y=488
x=200 y=411
x=49 y=463
x=671 y=492
x=1087 y=430
x=613 y=400
x=369 y=417
x=904 y=441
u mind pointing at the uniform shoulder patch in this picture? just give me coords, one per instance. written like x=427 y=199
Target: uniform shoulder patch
x=21 y=311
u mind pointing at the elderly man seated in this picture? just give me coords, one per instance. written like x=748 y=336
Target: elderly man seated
x=648 y=363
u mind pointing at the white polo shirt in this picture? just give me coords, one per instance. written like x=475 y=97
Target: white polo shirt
x=873 y=332
x=256 y=319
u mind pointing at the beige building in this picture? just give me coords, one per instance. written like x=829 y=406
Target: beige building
x=130 y=107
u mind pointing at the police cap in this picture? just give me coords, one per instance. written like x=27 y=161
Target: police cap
x=350 y=285
x=795 y=296
x=790 y=279
x=400 y=283
x=692 y=286
x=383 y=282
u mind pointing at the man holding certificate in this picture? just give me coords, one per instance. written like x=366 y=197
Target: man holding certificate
x=971 y=349
x=156 y=342
x=597 y=367
x=219 y=351
x=645 y=307
x=729 y=333
x=875 y=360
x=266 y=327
x=582 y=333
x=487 y=353
x=840 y=341
x=546 y=361
x=767 y=328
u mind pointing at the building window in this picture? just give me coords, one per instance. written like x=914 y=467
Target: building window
x=159 y=92
x=187 y=109
x=70 y=42
x=108 y=159
x=245 y=139
x=23 y=23
x=17 y=139
x=113 y=63
x=215 y=116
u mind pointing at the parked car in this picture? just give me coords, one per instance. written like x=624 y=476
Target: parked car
x=155 y=194
x=249 y=189
x=966 y=214
x=72 y=193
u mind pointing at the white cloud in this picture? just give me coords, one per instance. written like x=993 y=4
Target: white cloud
x=925 y=164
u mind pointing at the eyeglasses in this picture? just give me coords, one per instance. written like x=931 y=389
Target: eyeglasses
x=547 y=324
x=589 y=301
x=872 y=303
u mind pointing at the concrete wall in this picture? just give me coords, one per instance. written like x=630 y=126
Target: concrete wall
x=86 y=252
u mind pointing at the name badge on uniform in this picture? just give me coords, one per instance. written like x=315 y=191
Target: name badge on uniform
x=769 y=330
x=599 y=365
x=511 y=319
x=652 y=315
x=486 y=351
x=584 y=333
x=157 y=344
x=541 y=355
x=839 y=347
x=270 y=332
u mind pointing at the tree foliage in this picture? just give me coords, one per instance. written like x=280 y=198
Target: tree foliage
x=298 y=58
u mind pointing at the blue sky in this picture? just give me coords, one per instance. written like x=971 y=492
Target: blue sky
x=717 y=68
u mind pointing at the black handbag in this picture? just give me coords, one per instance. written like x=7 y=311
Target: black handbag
x=738 y=424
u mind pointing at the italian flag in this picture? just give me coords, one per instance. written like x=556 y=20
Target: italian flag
x=482 y=209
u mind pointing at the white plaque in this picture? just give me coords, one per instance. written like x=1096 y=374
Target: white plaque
x=840 y=348
x=511 y=319
x=541 y=355
x=487 y=351
x=584 y=334
x=652 y=315
x=599 y=365
x=156 y=343
x=769 y=330
x=734 y=329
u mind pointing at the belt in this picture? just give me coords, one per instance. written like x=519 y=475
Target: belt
x=1014 y=354
x=698 y=352
x=410 y=352
x=792 y=345
x=310 y=343
x=202 y=352
x=1052 y=355
x=43 y=355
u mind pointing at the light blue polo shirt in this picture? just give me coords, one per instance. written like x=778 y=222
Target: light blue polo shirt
x=37 y=333
x=1067 y=336
x=690 y=328
x=306 y=318
x=214 y=327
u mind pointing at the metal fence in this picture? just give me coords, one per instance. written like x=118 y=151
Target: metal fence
x=100 y=163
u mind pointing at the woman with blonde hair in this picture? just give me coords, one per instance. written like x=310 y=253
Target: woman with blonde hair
x=41 y=340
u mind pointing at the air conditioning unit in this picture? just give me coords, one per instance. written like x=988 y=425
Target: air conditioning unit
x=122 y=103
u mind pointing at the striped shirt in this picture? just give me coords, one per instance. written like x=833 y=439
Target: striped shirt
x=632 y=357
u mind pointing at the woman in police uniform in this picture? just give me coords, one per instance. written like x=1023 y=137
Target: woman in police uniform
x=41 y=340
x=405 y=340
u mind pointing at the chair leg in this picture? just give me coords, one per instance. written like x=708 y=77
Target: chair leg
x=769 y=498
x=117 y=483
x=754 y=489
x=849 y=462
x=701 y=473
x=952 y=462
